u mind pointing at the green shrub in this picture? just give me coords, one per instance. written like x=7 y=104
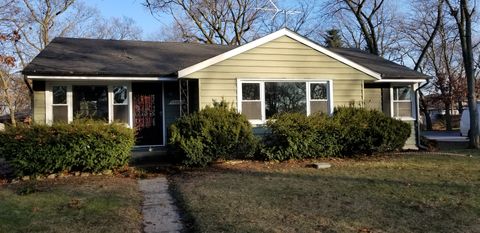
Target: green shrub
x=81 y=146
x=217 y=132
x=296 y=136
x=367 y=131
x=351 y=131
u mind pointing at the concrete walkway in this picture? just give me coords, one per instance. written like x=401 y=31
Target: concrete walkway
x=160 y=215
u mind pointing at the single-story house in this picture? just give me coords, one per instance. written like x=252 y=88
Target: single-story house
x=147 y=85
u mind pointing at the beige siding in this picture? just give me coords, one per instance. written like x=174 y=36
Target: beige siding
x=39 y=102
x=373 y=98
x=283 y=58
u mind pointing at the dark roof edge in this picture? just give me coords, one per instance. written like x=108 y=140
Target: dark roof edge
x=69 y=74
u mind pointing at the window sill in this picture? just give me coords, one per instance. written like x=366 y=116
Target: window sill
x=405 y=118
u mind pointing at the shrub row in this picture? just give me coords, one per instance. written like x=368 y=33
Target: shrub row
x=351 y=131
x=81 y=146
x=217 y=132
x=220 y=132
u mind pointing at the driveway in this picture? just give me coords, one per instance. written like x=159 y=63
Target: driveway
x=444 y=136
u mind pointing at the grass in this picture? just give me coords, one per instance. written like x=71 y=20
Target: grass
x=86 y=204
x=408 y=193
x=466 y=152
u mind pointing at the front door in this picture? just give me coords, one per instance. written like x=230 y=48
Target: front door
x=148 y=113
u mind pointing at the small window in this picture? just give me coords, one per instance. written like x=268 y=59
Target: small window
x=251 y=103
x=402 y=101
x=120 y=94
x=120 y=104
x=318 y=98
x=59 y=104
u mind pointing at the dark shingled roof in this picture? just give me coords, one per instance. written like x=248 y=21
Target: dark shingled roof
x=126 y=58
x=94 y=57
x=388 y=69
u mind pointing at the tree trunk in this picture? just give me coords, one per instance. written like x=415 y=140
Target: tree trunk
x=424 y=109
x=12 y=118
x=428 y=119
x=468 y=63
x=464 y=24
x=448 y=116
x=460 y=107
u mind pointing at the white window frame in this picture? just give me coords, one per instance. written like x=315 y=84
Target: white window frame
x=309 y=96
x=68 y=99
x=262 y=100
x=69 y=84
x=262 y=94
x=393 y=101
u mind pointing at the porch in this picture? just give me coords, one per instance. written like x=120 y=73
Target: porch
x=148 y=106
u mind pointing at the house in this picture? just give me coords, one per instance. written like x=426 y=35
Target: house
x=147 y=85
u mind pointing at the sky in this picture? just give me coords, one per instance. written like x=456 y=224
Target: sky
x=130 y=8
x=144 y=19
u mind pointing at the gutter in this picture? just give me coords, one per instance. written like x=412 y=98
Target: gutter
x=417 y=124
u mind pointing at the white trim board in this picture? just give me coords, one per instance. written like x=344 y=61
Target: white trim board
x=400 y=81
x=84 y=78
x=282 y=32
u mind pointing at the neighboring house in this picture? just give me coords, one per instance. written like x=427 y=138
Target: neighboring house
x=149 y=84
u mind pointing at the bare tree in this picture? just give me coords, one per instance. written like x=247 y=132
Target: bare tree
x=419 y=30
x=10 y=94
x=366 y=14
x=462 y=12
x=300 y=17
x=37 y=22
x=213 y=22
x=446 y=62
x=115 y=28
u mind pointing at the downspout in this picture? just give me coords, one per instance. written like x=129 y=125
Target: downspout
x=417 y=123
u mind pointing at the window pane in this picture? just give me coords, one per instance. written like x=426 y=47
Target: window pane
x=402 y=93
x=60 y=113
x=318 y=106
x=90 y=102
x=250 y=91
x=120 y=94
x=318 y=91
x=402 y=109
x=285 y=97
x=59 y=94
x=120 y=113
x=253 y=110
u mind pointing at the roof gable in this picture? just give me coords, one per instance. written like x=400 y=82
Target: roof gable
x=271 y=37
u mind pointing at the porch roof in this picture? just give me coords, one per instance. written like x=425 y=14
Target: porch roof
x=119 y=58
x=388 y=69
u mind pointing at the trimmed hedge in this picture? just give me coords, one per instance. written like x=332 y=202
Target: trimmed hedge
x=351 y=131
x=297 y=136
x=81 y=146
x=368 y=131
x=217 y=132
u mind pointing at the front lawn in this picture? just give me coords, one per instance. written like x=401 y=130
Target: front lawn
x=408 y=193
x=74 y=204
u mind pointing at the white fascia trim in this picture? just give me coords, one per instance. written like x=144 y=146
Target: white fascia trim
x=400 y=81
x=282 y=32
x=102 y=78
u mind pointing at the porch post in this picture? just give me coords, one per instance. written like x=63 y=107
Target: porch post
x=184 y=97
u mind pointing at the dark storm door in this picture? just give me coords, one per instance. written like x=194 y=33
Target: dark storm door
x=148 y=113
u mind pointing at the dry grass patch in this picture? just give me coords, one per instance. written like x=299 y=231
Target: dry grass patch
x=74 y=204
x=408 y=193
